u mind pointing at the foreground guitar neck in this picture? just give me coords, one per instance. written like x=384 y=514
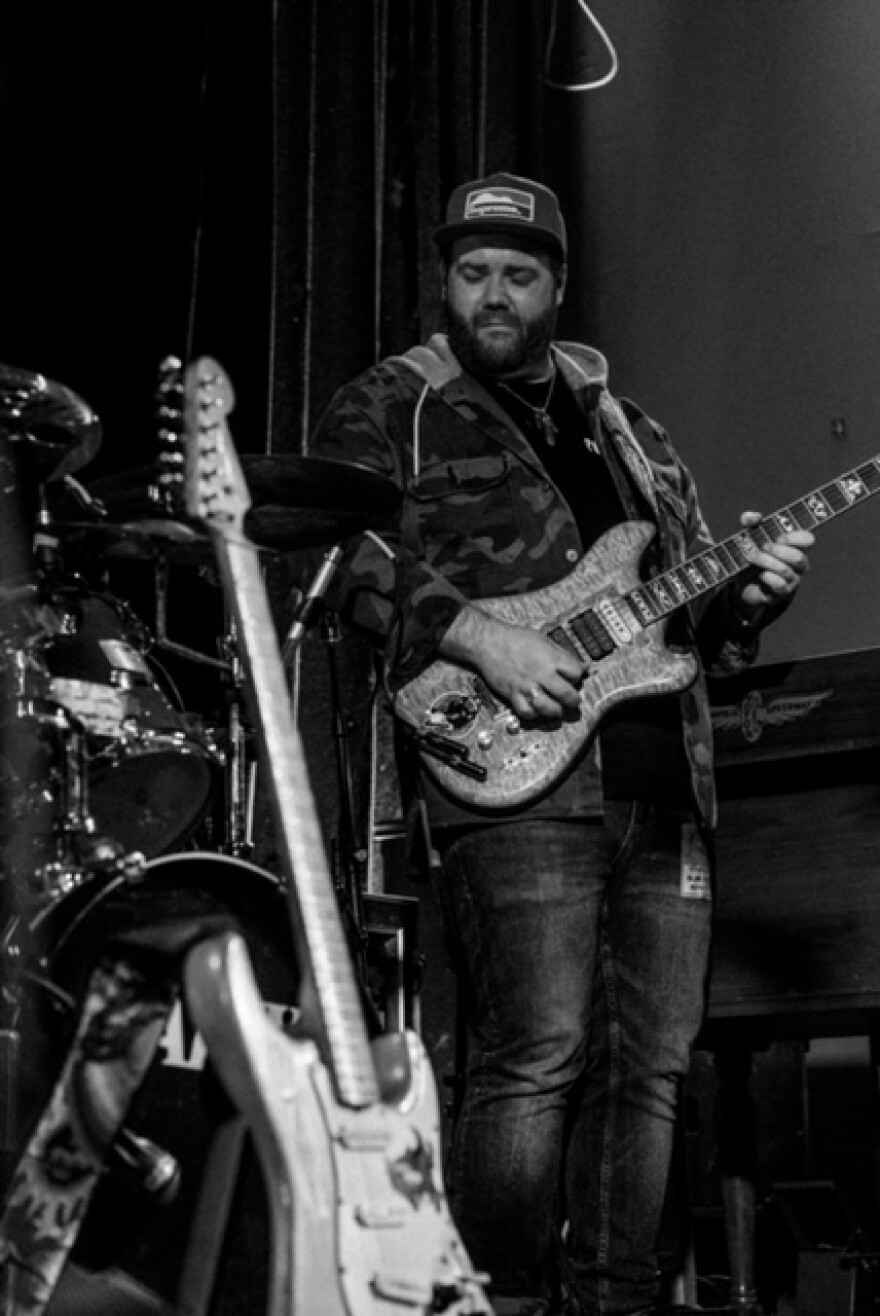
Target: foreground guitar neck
x=217 y=495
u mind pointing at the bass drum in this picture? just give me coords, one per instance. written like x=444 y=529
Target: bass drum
x=181 y=1106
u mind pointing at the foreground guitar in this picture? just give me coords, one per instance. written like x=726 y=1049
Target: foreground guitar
x=347 y=1132
x=615 y=624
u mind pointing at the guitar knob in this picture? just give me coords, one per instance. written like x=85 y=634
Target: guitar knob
x=513 y=726
x=485 y=739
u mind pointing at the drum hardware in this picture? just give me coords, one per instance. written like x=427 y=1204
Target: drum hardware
x=241 y=767
x=163 y=640
x=298 y=503
x=236 y=758
x=348 y=851
x=80 y=850
x=149 y=770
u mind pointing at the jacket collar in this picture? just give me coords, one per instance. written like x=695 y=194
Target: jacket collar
x=582 y=367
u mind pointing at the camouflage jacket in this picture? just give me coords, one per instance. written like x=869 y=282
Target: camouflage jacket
x=480 y=516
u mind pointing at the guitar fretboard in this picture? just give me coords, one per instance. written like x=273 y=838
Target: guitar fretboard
x=217 y=495
x=600 y=629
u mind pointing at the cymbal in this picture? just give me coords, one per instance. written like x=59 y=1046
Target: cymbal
x=310 y=502
x=54 y=432
x=140 y=541
x=297 y=503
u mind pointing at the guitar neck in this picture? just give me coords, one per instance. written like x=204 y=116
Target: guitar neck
x=664 y=594
x=318 y=927
x=214 y=491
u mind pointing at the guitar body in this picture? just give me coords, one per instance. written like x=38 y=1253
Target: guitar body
x=359 y=1221
x=524 y=760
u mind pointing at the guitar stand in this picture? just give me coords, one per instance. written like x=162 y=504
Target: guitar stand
x=200 y=1271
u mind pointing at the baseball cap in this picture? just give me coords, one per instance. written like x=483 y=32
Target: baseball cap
x=504 y=203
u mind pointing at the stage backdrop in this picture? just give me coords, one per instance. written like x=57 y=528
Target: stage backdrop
x=187 y=177
x=184 y=178
x=260 y=182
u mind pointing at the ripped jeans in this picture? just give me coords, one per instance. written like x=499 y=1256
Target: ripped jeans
x=583 y=948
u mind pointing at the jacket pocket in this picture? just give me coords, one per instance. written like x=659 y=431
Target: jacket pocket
x=466 y=477
x=466 y=501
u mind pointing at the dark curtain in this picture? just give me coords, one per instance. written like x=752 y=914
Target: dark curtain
x=259 y=184
x=396 y=103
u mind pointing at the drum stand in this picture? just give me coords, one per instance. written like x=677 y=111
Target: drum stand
x=240 y=768
x=350 y=866
x=240 y=778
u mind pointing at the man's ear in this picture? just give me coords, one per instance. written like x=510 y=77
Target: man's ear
x=561 y=281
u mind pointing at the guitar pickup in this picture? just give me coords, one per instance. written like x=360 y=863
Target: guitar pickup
x=453 y=754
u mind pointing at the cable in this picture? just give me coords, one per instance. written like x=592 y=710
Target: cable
x=609 y=46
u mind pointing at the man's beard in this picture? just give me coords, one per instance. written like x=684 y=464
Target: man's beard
x=505 y=356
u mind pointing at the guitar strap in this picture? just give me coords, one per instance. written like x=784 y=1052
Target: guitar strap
x=129 y=995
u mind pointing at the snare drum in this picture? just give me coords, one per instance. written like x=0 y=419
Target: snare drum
x=181 y=1105
x=151 y=770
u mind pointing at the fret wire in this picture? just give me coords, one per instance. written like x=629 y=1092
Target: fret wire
x=726 y=557
x=870 y=473
x=737 y=552
x=665 y=600
x=805 y=515
x=854 y=488
x=680 y=583
x=715 y=571
x=800 y=515
x=695 y=574
x=781 y=523
x=819 y=505
x=834 y=496
x=645 y=606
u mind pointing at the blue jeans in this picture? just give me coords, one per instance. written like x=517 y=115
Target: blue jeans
x=583 y=948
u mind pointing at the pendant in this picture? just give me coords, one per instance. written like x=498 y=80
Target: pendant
x=549 y=429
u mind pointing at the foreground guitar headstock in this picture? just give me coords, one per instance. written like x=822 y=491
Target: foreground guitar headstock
x=215 y=489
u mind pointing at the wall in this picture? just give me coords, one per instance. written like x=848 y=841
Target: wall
x=728 y=182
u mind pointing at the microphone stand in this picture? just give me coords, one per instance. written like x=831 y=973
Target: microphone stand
x=352 y=852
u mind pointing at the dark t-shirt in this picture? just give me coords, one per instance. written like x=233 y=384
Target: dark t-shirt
x=641 y=740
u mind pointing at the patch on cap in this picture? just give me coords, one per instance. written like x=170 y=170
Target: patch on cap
x=493 y=203
x=504 y=203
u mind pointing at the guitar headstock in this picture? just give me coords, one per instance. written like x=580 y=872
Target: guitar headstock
x=216 y=491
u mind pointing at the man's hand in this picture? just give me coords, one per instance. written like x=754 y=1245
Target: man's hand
x=776 y=571
x=531 y=674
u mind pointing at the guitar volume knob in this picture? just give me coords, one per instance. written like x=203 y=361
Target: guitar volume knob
x=485 y=739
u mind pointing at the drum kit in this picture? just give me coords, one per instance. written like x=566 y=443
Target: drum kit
x=106 y=779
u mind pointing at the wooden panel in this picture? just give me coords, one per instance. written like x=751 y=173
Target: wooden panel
x=797 y=941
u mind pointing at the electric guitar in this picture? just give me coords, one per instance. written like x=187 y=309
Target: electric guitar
x=347 y=1131
x=615 y=624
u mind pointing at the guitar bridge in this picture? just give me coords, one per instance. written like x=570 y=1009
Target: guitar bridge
x=451 y=753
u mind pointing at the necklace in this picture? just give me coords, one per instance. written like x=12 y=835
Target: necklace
x=540 y=415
